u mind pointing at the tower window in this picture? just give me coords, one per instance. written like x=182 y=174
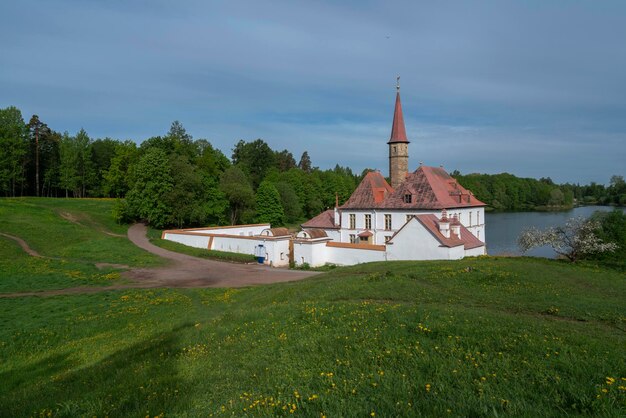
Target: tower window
x=408 y=198
x=395 y=149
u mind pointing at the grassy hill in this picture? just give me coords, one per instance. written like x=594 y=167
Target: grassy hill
x=479 y=337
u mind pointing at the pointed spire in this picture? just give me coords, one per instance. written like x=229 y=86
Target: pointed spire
x=398 y=132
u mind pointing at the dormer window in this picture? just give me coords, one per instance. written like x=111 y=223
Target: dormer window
x=408 y=198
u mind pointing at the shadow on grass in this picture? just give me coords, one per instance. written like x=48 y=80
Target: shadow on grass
x=137 y=381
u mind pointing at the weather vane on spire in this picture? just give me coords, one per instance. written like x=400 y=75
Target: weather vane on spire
x=398 y=83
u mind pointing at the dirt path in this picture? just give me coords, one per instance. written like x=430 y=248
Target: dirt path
x=184 y=271
x=188 y=271
x=22 y=244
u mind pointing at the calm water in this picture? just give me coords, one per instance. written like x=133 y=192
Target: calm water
x=502 y=229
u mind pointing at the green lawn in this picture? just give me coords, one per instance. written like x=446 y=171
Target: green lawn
x=479 y=337
x=71 y=247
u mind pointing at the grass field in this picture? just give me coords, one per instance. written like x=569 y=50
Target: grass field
x=479 y=337
x=73 y=235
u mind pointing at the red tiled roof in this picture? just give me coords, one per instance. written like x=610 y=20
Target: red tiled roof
x=430 y=188
x=278 y=232
x=398 y=131
x=467 y=239
x=325 y=220
x=372 y=191
x=365 y=234
x=316 y=233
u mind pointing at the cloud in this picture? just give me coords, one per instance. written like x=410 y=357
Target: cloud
x=481 y=81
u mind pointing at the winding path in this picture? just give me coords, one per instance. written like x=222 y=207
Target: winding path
x=184 y=271
x=188 y=271
x=22 y=244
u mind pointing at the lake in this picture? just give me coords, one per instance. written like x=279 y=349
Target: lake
x=503 y=228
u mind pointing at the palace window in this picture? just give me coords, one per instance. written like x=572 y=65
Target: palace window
x=408 y=198
x=352 y=221
x=368 y=221
x=387 y=222
x=352 y=239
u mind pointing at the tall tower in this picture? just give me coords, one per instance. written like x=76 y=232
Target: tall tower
x=398 y=145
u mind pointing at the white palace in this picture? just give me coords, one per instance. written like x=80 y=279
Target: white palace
x=421 y=215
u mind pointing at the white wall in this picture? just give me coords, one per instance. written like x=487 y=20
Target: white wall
x=235 y=240
x=474 y=252
x=398 y=219
x=276 y=250
x=415 y=242
x=350 y=256
x=311 y=252
x=196 y=241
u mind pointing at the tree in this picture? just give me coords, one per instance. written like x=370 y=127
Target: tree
x=210 y=160
x=68 y=172
x=305 y=162
x=38 y=129
x=289 y=200
x=14 y=150
x=182 y=198
x=151 y=182
x=238 y=192
x=76 y=170
x=102 y=152
x=181 y=140
x=576 y=239
x=284 y=160
x=268 y=205
x=255 y=159
x=612 y=229
x=117 y=178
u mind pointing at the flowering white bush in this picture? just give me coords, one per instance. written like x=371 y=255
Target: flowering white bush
x=574 y=240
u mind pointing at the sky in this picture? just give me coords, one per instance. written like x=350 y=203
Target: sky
x=532 y=88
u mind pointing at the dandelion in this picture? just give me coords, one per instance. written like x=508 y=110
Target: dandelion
x=610 y=380
x=427 y=387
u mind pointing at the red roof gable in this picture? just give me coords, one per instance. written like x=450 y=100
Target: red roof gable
x=467 y=239
x=430 y=188
x=325 y=220
x=431 y=223
x=398 y=131
x=372 y=191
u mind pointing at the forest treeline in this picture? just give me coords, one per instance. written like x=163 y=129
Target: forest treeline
x=175 y=180
x=169 y=180
x=506 y=192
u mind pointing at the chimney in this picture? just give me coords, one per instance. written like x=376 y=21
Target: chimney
x=444 y=224
x=455 y=226
x=337 y=219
